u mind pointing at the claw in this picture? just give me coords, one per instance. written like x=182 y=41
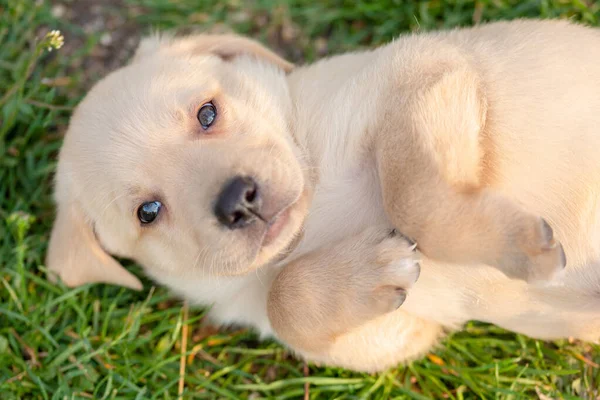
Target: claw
x=401 y=296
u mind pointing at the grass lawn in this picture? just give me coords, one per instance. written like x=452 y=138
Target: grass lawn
x=106 y=342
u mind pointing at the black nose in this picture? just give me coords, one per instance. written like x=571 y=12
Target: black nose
x=238 y=204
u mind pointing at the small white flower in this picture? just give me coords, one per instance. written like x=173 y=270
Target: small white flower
x=54 y=40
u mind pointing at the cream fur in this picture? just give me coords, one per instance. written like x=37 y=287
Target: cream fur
x=530 y=144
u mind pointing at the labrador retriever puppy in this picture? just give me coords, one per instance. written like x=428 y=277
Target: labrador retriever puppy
x=291 y=199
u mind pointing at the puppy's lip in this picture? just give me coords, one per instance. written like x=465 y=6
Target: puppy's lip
x=276 y=225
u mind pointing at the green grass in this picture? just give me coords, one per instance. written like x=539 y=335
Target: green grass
x=111 y=343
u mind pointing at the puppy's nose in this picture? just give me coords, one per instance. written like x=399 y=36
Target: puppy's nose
x=238 y=204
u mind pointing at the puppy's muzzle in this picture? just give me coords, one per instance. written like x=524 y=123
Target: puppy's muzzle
x=239 y=203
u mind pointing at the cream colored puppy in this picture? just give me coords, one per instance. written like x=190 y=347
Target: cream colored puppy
x=273 y=195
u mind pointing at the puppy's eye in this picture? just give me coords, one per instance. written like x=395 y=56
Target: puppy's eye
x=149 y=211
x=207 y=115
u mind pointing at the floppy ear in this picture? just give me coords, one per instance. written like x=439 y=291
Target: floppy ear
x=75 y=255
x=226 y=46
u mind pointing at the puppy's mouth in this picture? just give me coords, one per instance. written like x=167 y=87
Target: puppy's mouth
x=276 y=226
x=282 y=233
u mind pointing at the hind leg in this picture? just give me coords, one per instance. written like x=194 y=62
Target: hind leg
x=430 y=156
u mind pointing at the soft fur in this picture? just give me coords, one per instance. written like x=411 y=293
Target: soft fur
x=466 y=141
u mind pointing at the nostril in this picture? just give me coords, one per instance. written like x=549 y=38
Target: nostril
x=251 y=195
x=236 y=217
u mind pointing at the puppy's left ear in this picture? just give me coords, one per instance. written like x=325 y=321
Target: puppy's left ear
x=75 y=255
x=226 y=46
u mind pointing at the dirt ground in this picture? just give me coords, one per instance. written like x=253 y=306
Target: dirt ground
x=116 y=24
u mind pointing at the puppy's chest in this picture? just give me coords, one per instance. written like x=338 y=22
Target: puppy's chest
x=344 y=204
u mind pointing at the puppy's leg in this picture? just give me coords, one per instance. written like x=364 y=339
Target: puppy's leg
x=430 y=155
x=330 y=292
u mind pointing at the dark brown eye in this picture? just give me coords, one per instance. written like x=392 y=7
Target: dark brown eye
x=207 y=115
x=148 y=212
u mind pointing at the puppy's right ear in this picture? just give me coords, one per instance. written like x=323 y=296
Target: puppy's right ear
x=75 y=255
x=226 y=46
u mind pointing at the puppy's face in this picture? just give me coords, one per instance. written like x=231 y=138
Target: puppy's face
x=181 y=161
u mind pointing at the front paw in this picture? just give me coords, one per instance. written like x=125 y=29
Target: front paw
x=534 y=254
x=331 y=291
x=388 y=274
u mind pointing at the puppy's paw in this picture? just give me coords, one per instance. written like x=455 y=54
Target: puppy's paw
x=336 y=289
x=388 y=274
x=536 y=254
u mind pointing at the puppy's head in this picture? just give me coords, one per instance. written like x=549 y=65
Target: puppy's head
x=181 y=161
